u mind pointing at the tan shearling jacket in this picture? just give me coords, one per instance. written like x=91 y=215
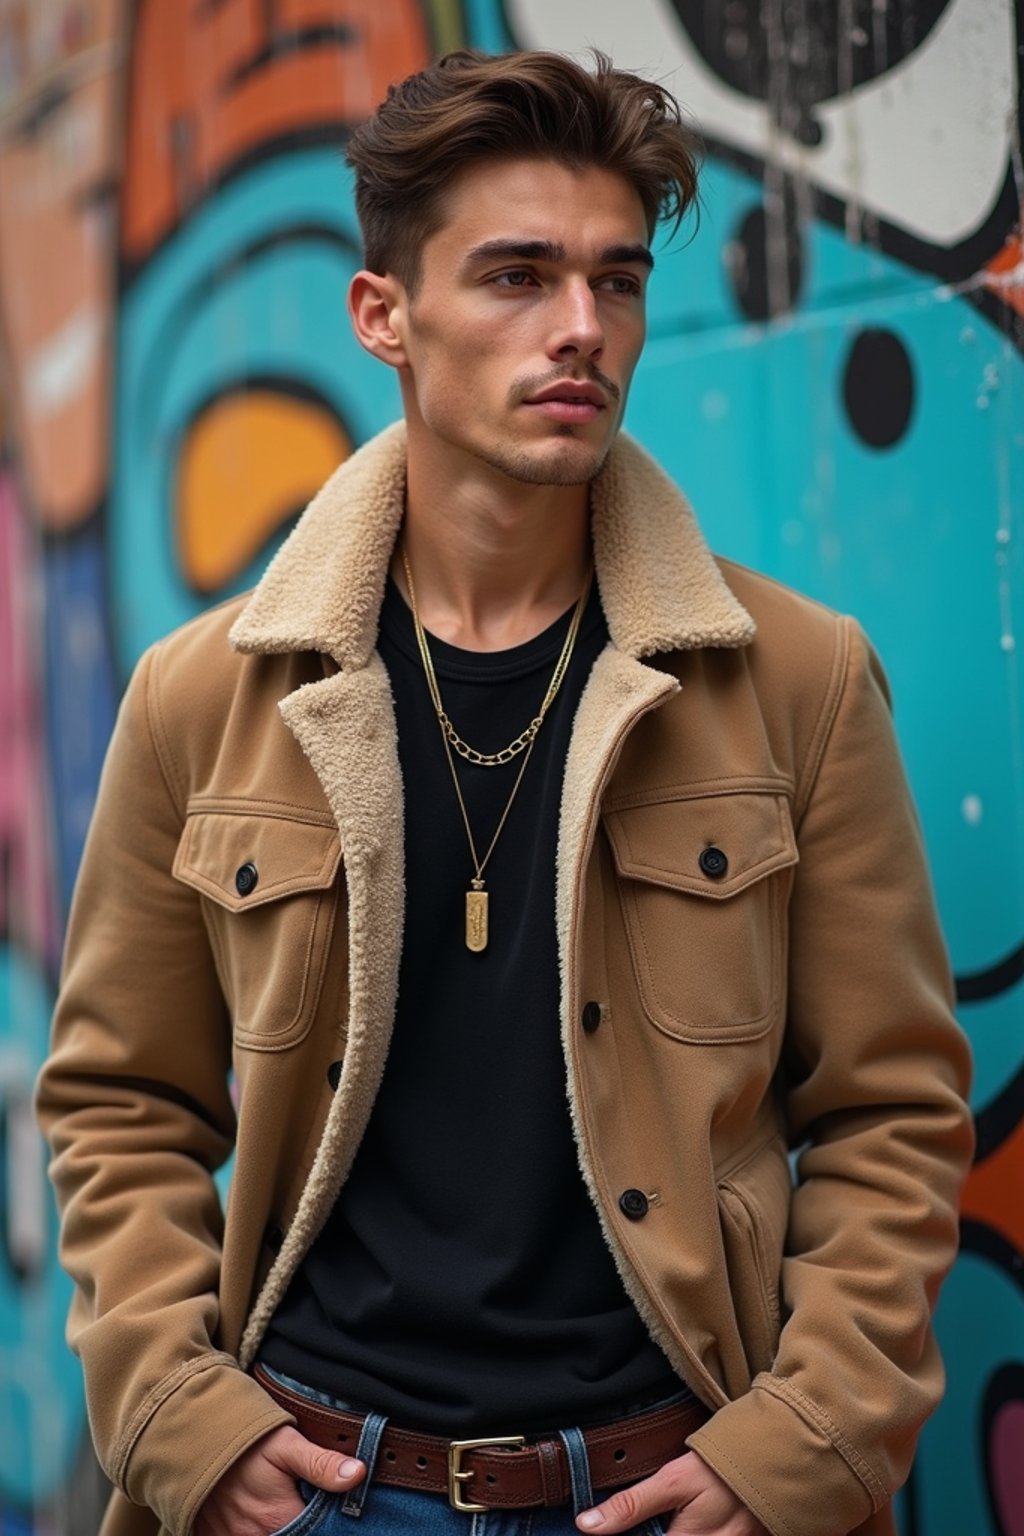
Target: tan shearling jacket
x=801 y=999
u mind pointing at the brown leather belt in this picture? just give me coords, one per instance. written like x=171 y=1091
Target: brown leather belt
x=503 y=1473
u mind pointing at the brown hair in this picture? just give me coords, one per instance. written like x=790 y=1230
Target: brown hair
x=470 y=106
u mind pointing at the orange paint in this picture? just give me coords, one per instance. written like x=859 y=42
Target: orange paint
x=59 y=157
x=217 y=81
x=994 y=1193
x=1010 y=257
x=249 y=462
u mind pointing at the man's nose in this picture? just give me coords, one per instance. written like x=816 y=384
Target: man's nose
x=577 y=327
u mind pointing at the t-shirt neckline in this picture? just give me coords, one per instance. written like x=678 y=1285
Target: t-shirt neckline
x=455 y=662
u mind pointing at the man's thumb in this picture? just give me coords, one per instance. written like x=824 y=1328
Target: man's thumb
x=312 y=1464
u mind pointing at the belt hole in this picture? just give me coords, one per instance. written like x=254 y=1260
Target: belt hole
x=390 y=1456
x=620 y=1454
x=342 y=1437
x=421 y=1462
x=491 y=1478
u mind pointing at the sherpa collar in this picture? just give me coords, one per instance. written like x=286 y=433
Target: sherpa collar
x=660 y=586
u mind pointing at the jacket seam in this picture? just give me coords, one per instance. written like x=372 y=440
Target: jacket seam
x=159 y=738
x=266 y=810
x=750 y=1224
x=315 y=882
x=249 y=1435
x=823 y=727
x=154 y=1399
x=761 y=1138
x=786 y=1392
x=682 y=790
x=740 y=1477
x=773 y=581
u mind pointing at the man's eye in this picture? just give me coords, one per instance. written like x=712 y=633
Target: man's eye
x=620 y=283
x=516 y=279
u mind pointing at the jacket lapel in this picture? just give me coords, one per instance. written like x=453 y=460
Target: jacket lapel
x=661 y=588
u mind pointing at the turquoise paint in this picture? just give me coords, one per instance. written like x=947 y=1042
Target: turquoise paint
x=204 y=317
x=486 y=26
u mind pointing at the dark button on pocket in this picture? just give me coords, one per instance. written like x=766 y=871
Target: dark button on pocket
x=591 y=1016
x=334 y=1074
x=246 y=878
x=274 y=1237
x=713 y=862
x=634 y=1204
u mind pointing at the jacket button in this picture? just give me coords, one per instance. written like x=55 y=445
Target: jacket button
x=274 y=1237
x=713 y=862
x=634 y=1204
x=590 y=1018
x=246 y=878
x=334 y=1074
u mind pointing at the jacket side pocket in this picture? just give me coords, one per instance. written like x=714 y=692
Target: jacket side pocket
x=753 y=1201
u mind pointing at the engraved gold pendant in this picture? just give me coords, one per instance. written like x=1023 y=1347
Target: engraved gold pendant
x=476 y=917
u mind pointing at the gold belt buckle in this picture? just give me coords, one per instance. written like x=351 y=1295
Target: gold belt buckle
x=456 y=1475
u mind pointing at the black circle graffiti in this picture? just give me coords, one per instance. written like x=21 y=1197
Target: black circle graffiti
x=878 y=387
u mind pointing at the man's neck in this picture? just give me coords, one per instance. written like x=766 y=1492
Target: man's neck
x=494 y=561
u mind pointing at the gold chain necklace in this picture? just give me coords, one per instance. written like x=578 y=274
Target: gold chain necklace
x=477 y=898
x=525 y=738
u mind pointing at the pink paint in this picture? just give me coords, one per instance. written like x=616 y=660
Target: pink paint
x=28 y=906
x=1006 y=1467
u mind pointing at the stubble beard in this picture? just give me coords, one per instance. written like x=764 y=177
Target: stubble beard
x=574 y=468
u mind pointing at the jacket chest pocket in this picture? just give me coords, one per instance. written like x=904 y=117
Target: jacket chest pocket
x=269 y=888
x=703 y=894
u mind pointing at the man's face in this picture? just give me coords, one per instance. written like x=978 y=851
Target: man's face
x=521 y=340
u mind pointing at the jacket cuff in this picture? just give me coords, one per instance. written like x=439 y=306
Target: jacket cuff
x=196 y=1428
x=788 y=1462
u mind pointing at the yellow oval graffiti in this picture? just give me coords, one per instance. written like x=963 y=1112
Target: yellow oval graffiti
x=249 y=462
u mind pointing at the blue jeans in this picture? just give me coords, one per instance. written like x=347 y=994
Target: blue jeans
x=385 y=1511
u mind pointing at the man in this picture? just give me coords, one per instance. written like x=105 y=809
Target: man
x=433 y=821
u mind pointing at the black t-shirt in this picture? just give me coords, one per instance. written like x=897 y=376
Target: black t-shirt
x=462 y=1284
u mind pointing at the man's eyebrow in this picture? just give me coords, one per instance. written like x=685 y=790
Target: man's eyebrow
x=516 y=250
x=625 y=254
x=551 y=250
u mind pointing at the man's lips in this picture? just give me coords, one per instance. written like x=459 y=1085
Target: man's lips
x=568 y=401
x=571 y=393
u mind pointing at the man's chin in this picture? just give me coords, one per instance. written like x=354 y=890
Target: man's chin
x=562 y=462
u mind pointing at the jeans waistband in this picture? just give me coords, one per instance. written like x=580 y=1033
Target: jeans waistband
x=542 y=1478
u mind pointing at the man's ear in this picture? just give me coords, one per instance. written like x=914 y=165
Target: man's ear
x=376 y=306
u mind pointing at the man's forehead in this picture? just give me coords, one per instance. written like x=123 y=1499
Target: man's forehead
x=543 y=203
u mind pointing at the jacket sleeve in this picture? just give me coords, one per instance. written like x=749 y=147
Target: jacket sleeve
x=136 y=1105
x=875 y=1078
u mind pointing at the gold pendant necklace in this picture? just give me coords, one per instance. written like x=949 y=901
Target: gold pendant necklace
x=477 y=917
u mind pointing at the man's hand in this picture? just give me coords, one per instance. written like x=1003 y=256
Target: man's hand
x=703 y=1505
x=259 y=1493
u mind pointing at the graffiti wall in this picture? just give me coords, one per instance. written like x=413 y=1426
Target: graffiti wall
x=835 y=374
